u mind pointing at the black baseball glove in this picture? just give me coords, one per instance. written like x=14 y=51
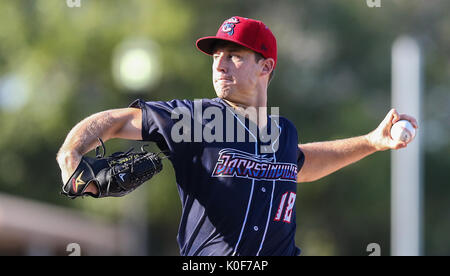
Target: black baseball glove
x=115 y=175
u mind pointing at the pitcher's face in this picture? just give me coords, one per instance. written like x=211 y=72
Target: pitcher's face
x=235 y=70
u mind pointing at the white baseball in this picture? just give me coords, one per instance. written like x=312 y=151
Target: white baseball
x=403 y=130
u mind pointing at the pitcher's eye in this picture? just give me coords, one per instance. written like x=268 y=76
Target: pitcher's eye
x=235 y=56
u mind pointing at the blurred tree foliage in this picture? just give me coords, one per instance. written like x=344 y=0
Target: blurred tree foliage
x=332 y=81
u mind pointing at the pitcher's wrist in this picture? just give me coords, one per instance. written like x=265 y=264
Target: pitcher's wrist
x=68 y=161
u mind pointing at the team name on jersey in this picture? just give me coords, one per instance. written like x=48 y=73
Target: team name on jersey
x=235 y=163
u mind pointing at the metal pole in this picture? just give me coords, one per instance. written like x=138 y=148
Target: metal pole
x=406 y=164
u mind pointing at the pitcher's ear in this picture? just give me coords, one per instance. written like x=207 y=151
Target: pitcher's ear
x=267 y=66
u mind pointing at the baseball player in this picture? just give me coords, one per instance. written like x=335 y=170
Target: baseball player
x=238 y=193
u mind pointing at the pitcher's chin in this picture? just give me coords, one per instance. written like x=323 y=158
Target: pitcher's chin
x=224 y=92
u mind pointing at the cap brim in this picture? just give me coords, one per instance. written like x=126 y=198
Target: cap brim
x=206 y=44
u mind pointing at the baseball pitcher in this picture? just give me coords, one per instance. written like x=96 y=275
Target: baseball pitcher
x=237 y=164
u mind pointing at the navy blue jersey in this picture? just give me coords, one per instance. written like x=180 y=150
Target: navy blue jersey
x=236 y=199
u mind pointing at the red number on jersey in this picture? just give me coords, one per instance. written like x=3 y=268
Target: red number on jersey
x=288 y=209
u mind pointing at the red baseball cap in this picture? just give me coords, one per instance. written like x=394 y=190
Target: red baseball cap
x=250 y=33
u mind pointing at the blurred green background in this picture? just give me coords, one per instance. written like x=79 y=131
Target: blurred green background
x=333 y=80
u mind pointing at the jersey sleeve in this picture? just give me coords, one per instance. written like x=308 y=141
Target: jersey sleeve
x=300 y=158
x=157 y=121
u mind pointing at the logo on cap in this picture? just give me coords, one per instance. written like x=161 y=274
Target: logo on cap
x=228 y=25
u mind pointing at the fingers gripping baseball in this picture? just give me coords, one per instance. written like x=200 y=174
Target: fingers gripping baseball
x=381 y=137
x=392 y=117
